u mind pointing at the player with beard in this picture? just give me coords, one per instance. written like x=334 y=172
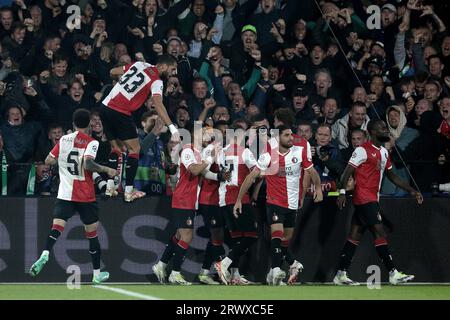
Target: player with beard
x=281 y=167
x=239 y=161
x=367 y=165
x=192 y=163
x=137 y=81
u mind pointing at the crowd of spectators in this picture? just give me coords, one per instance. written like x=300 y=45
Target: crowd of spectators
x=330 y=66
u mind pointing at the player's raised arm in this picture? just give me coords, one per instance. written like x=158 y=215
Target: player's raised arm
x=405 y=186
x=162 y=112
x=116 y=72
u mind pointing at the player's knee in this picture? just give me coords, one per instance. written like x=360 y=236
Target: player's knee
x=378 y=231
x=186 y=236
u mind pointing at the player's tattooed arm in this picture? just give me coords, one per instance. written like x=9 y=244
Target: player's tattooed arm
x=91 y=165
x=51 y=160
x=405 y=186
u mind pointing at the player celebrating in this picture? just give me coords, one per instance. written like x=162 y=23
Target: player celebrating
x=282 y=170
x=367 y=165
x=75 y=153
x=184 y=205
x=212 y=215
x=137 y=81
x=238 y=160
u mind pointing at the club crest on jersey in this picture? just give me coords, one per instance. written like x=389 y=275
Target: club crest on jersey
x=213 y=222
x=294 y=160
x=189 y=222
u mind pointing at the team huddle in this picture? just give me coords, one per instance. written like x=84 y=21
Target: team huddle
x=214 y=180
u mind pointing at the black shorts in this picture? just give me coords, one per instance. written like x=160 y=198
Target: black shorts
x=367 y=215
x=184 y=218
x=245 y=222
x=212 y=216
x=117 y=125
x=64 y=210
x=277 y=214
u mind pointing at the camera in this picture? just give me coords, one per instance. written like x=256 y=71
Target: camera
x=324 y=151
x=262 y=130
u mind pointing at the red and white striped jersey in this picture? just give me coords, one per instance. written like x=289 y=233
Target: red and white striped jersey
x=239 y=161
x=370 y=163
x=76 y=183
x=130 y=93
x=283 y=174
x=185 y=195
x=209 y=193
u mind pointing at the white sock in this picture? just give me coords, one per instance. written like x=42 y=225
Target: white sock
x=96 y=272
x=204 y=271
x=444 y=187
x=45 y=253
x=162 y=264
x=175 y=272
x=226 y=262
x=110 y=184
x=128 y=189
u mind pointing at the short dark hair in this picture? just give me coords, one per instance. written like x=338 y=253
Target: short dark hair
x=373 y=123
x=60 y=56
x=257 y=118
x=364 y=132
x=358 y=104
x=55 y=125
x=167 y=59
x=17 y=26
x=81 y=118
x=304 y=123
x=220 y=123
x=148 y=114
x=434 y=56
x=286 y=116
x=282 y=128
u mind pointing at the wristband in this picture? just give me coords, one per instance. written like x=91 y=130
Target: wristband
x=342 y=191
x=173 y=129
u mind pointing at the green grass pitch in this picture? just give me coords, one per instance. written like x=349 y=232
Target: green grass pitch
x=253 y=292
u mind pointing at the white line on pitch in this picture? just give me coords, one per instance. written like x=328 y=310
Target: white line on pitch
x=127 y=293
